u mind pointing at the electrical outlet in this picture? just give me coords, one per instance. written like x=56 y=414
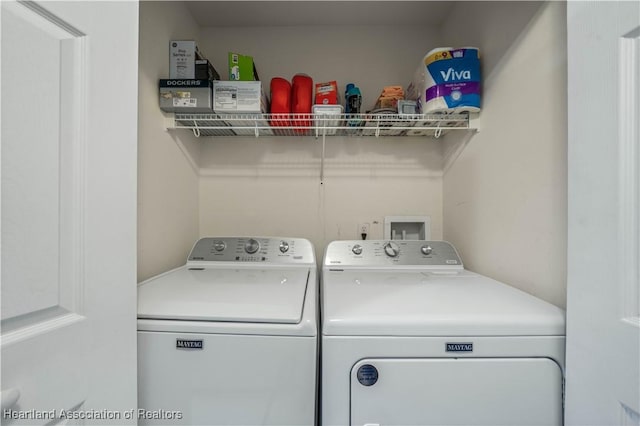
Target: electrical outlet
x=363 y=228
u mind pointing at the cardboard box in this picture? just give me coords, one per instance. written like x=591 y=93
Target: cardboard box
x=182 y=59
x=239 y=97
x=326 y=93
x=186 y=95
x=242 y=68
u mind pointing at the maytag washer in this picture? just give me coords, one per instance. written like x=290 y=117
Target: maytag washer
x=231 y=337
x=409 y=337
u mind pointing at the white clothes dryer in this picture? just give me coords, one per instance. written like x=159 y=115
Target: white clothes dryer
x=231 y=338
x=409 y=337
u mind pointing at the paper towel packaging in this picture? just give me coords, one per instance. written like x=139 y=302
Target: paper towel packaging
x=447 y=80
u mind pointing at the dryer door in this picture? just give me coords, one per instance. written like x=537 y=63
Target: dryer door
x=456 y=391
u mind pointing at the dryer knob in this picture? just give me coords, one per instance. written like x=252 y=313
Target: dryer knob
x=284 y=246
x=357 y=249
x=426 y=250
x=252 y=246
x=391 y=249
x=219 y=245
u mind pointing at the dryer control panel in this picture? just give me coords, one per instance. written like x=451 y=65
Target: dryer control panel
x=384 y=253
x=253 y=249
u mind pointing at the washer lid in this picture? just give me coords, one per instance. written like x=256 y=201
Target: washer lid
x=225 y=294
x=432 y=303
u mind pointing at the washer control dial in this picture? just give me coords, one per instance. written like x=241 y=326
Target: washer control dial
x=252 y=246
x=426 y=249
x=284 y=246
x=391 y=249
x=219 y=245
x=357 y=249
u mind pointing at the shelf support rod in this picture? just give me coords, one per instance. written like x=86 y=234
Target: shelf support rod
x=324 y=135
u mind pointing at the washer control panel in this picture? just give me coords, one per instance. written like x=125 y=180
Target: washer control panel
x=252 y=249
x=372 y=253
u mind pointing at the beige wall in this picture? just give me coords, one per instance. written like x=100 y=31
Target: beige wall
x=167 y=181
x=505 y=198
x=273 y=187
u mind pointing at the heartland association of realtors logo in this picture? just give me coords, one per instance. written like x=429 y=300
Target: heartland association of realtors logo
x=459 y=347
x=188 y=344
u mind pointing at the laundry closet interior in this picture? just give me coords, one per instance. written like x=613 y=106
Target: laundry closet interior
x=497 y=192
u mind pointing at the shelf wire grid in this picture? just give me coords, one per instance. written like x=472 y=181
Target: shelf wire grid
x=318 y=125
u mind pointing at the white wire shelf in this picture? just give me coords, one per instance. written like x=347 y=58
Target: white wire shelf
x=319 y=125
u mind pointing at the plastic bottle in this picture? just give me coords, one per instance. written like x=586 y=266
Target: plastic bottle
x=301 y=100
x=353 y=99
x=280 y=102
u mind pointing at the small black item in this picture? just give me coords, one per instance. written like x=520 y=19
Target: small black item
x=204 y=70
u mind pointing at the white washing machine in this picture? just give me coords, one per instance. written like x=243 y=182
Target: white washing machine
x=409 y=337
x=231 y=338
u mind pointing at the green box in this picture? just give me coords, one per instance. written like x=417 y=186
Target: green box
x=242 y=68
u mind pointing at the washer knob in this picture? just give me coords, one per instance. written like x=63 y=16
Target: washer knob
x=391 y=249
x=284 y=246
x=426 y=249
x=252 y=246
x=219 y=245
x=357 y=249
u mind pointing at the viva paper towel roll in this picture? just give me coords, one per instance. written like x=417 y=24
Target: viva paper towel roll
x=448 y=80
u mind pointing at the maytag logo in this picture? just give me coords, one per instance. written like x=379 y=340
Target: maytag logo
x=459 y=347
x=188 y=344
x=457 y=75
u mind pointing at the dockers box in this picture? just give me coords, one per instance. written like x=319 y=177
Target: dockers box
x=186 y=96
x=239 y=97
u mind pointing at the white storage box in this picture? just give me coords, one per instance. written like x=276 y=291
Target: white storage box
x=239 y=97
x=329 y=116
x=242 y=103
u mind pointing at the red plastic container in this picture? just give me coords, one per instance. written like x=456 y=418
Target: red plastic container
x=280 y=102
x=302 y=100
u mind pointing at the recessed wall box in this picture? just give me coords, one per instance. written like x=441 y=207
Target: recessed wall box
x=407 y=227
x=186 y=96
